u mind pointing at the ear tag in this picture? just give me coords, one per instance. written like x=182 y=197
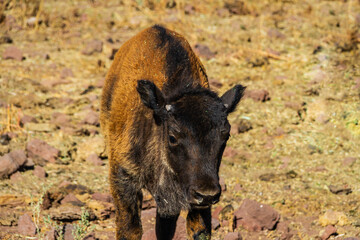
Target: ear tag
x=226 y=105
x=168 y=107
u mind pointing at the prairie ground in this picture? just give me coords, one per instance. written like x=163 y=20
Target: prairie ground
x=295 y=136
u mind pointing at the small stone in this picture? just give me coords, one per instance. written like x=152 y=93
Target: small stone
x=102 y=197
x=16 y=177
x=233 y=236
x=68 y=232
x=204 y=51
x=29 y=163
x=13 y=52
x=340 y=190
x=261 y=95
x=5 y=139
x=94 y=159
x=222 y=184
x=230 y=152
x=254 y=216
x=226 y=213
x=274 y=33
x=41 y=152
x=333 y=218
x=92 y=47
x=189 y=9
x=11 y=162
x=71 y=198
x=244 y=125
x=18 y=156
x=148 y=214
x=91 y=118
x=294 y=105
x=349 y=161
x=180 y=232
x=215 y=223
x=66 y=72
x=100 y=83
x=27 y=119
x=222 y=12
x=149 y=235
x=60 y=119
x=214 y=83
x=329 y=230
x=26 y=225
x=216 y=212
x=39 y=172
x=237 y=7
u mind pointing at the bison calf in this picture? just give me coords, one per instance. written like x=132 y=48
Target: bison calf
x=165 y=131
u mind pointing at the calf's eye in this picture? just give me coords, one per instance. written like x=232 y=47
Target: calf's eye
x=172 y=140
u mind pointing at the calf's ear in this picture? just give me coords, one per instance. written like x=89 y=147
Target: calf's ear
x=232 y=97
x=150 y=95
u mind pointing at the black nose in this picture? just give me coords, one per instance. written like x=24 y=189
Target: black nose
x=205 y=196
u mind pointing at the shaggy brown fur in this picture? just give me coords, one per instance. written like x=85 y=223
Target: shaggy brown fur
x=160 y=120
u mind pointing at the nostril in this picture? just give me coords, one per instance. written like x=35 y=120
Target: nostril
x=198 y=197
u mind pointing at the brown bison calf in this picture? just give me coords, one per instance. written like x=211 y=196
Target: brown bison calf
x=166 y=132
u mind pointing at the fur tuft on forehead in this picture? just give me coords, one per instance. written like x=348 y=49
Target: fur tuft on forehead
x=199 y=110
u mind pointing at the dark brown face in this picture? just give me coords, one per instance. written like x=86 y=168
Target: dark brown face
x=197 y=130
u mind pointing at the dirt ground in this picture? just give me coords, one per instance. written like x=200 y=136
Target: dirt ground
x=295 y=136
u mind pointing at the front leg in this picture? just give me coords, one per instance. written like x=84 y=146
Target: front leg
x=127 y=200
x=198 y=224
x=165 y=226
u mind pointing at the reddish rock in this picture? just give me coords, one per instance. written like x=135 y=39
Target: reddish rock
x=91 y=118
x=66 y=72
x=11 y=162
x=244 y=125
x=60 y=119
x=16 y=177
x=68 y=229
x=148 y=214
x=274 y=33
x=180 y=233
x=261 y=95
x=238 y=187
x=216 y=212
x=92 y=47
x=222 y=184
x=237 y=7
x=233 y=236
x=18 y=156
x=5 y=139
x=203 y=51
x=349 y=161
x=71 y=198
x=329 y=230
x=39 y=172
x=294 y=105
x=189 y=9
x=41 y=152
x=26 y=225
x=254 y=216
x=214 y=83
x=149 y=235
x=102 y=197
x=222 y=12
x=29 y=163
x=230 y=152
x=13 y=52
x=215 y=223
x=94 y=159
x=27 y=119
x=100 y=83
